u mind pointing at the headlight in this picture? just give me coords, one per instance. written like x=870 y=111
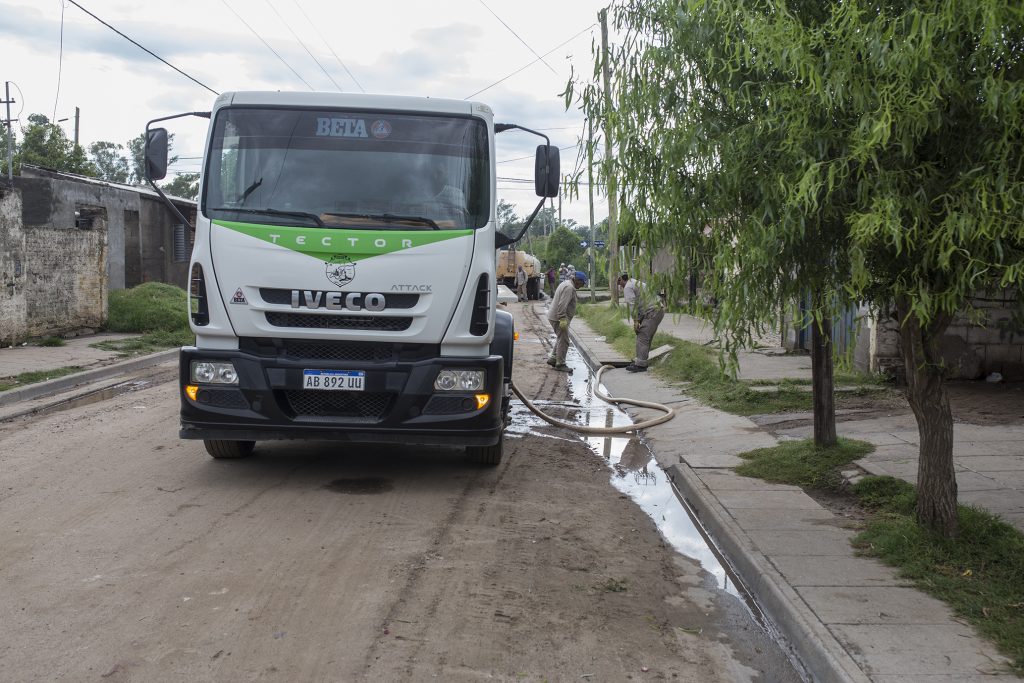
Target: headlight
x=210 y=372
x=459 y=380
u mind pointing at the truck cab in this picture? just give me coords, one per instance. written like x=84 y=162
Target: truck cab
x=343 y=275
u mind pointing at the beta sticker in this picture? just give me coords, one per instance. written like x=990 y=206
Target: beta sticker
x=380 y=129
x=238 y=298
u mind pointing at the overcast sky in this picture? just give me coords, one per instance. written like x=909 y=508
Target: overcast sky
x=438 y=48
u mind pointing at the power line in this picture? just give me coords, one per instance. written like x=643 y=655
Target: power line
x=225 y=3
x=522 y=68
x=285 y=22
x=517 y=36
x=144 y=49
x=60 y=58
x=350 y=74
x=531 y=156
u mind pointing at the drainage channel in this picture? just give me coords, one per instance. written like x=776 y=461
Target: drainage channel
x=636 y=473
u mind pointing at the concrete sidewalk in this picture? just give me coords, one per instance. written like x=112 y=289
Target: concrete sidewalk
x=848 y=618
x=95 y=365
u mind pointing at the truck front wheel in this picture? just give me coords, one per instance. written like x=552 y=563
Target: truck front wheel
x=229 y=449
x=486 y=455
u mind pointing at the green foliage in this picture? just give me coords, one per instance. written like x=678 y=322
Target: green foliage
x=979 y=572
x=696 y=367
x=149 y=307
x=801 y=463
x=564 y=247
x=184 y=185
x=45 y=144
x=24 y=378
x=50 y=341
x=886 y=494
x=110 y=162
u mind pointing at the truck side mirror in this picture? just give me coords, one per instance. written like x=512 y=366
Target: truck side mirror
x=156 y=153
x=547 y=172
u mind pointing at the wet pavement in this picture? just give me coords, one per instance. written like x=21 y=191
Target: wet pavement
x=849 y=618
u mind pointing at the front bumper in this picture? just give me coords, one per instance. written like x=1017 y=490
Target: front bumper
x=398 y=405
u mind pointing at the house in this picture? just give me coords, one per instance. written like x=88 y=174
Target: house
x=66 y=240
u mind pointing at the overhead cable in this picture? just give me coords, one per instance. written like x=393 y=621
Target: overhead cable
x=522 y=68
x=60 y=58
x=517 y=36
x=144 y=49
x=328 y=45
x=225 y=3
x=285 y=22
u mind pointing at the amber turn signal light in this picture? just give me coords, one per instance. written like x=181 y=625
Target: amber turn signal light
x=482 y=400
x=191 y=390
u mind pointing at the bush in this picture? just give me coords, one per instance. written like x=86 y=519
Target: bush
x=149 y=307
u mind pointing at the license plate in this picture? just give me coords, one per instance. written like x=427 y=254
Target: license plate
x=334 y=380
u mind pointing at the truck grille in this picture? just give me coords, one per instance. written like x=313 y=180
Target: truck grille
x=325 y=350
x=223 y=398
x=352 y=404
x=338 y=322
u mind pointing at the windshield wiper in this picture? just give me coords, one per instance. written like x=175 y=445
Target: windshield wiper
x=387 y=217
x=252 y=188
x=274 y=212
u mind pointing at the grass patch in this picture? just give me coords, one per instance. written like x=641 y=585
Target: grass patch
x=699 y=367
x=50 y=341
x=802 y=463
x=150 y=307
x=980 y=573
x=7 y=383
x=159 y=311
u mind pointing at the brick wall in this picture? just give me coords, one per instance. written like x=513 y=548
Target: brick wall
x=981 y=341
x=12 y=269
x=66 y=279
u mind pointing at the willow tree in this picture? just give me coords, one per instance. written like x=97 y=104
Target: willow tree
x=869 y=151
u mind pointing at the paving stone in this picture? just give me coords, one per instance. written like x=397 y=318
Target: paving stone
x=767 y=500
x=826 y=541
x=898 y=650
x=835 y=570
x=874 y=605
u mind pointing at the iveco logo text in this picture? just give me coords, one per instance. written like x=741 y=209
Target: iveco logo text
x=338 y=301
x=328 y=241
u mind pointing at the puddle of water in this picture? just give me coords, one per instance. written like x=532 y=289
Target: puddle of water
x=636 y=473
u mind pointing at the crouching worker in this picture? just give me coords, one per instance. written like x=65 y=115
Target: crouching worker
x=646 y=310
x=560 y=314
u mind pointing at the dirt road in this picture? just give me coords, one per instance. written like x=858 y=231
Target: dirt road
x=128 y=555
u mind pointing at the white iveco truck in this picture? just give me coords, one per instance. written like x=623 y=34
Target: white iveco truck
x=343 y=273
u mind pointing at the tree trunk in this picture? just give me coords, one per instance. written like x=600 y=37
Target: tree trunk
x=926 y=393
x=822 y=383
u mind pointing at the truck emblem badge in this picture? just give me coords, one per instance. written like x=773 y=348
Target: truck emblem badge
x=239 y=297
x=341 y=270
x=380 y=129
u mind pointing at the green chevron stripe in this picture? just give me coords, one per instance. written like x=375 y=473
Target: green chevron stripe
x=322 y=243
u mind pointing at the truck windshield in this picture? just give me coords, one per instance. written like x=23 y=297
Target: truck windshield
x=348 y=169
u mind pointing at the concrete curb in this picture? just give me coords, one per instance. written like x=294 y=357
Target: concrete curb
x=809 y=638
x=813 y=643
x=85 y=377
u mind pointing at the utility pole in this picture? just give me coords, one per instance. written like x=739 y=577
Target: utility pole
x=613 y=207
x=76 y=126
x=10 y=132
x=590 y=193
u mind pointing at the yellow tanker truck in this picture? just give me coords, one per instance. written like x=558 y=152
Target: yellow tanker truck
x=508 y=263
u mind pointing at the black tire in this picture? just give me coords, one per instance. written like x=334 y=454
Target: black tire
x=486 y=455
x=229 y=450
x=533 y=289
